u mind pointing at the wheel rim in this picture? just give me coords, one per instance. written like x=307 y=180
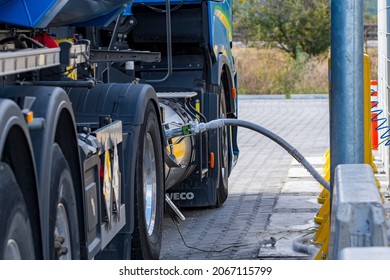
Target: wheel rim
x=150 y=184
x=62 y=231
x=12 y=251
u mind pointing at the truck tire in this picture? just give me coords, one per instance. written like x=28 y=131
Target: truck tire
x=222 y=189
x=63 y=222
x=15 y=235
x=149 y=188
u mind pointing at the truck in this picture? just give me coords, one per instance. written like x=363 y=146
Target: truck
x=90 y=94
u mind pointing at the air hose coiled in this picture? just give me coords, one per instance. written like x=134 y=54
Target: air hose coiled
x=381 y=122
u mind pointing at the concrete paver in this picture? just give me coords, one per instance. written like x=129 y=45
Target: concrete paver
x=263 y=200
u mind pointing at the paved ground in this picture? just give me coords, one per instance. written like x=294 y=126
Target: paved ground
x=269 y=194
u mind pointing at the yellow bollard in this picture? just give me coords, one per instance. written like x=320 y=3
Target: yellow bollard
x=367 y=111
x=368 y=158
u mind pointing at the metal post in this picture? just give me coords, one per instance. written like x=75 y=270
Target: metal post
x=386 y=90
x=382 y=75
x=346 y=97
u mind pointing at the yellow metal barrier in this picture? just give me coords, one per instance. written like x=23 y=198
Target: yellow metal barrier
x=324 y=211
x=326 y=170
x=322 y=218
x=321 y=199
x=323 y=253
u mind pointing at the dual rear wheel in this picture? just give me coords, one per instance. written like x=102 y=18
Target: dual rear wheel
x=63 y=220
x=17 y=236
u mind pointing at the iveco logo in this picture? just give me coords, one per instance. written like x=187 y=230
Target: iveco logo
x=182 y=196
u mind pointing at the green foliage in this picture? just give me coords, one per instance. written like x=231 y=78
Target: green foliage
x=370 y=11
x=368 y=18
x=293 y=25
x=370 y=8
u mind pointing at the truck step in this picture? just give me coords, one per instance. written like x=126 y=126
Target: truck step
x=176 y=95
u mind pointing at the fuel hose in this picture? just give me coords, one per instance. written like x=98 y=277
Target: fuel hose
x=196 y=127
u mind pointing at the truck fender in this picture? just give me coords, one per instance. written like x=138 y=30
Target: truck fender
x=222 y=67
x=10 y=115
x=219 y=67
x=125 y=102
x=10 y=118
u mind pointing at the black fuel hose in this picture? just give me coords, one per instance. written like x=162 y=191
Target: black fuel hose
x=199 y=127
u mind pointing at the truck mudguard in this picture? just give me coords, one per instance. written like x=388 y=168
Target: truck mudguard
x=222 y=65
x=125 y=102
x=10 y=115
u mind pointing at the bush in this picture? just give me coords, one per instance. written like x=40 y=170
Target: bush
x=272 y=71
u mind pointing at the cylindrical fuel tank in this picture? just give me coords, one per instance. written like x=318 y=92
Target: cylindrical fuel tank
x=182 y=149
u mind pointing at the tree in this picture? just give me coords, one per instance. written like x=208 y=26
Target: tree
x=370 y=7
x=292 y=25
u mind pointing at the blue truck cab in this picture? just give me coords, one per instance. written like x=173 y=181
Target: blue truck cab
x=199 y=53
